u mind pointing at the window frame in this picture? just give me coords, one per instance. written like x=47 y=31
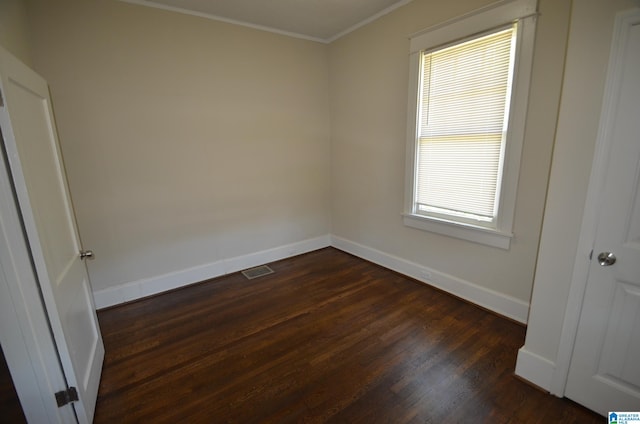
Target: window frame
x=466 y=27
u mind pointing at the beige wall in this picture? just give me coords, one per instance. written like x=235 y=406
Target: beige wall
x=186 y=141
x=14 y=29
x=368 y=82
x=590 y=41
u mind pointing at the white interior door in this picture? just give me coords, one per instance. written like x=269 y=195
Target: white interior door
x=25 y=334
x=33 y=153
x=604 y=374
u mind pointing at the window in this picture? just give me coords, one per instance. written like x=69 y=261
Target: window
x=468 y=95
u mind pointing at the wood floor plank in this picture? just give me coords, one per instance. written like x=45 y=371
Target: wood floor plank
x=327 y=338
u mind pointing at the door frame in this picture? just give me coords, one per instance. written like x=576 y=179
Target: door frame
x=592 y=208
x=25 y=335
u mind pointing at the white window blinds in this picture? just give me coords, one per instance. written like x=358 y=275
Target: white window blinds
x=462 y=120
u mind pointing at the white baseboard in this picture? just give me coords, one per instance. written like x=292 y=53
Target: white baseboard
x=161 y=283
x=535 y=368
x=502 y=304
x=499 y=303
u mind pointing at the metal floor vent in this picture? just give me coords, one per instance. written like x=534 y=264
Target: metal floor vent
x=256 y=272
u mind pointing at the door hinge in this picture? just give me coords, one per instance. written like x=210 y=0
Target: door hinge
x=65 y=397
x=1 y=99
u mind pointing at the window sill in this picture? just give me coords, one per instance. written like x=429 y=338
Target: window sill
x=486 y=236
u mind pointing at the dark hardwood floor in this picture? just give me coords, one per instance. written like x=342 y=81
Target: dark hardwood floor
x=10 y=409
x=327 y=338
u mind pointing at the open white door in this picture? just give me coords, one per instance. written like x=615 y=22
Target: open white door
x=36 y=167
x=25 y=334
x=604 y=374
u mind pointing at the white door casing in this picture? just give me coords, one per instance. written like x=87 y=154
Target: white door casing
x=604 y=373
x=36 y=166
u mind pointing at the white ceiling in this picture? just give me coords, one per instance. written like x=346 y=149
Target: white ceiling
x=318 y=20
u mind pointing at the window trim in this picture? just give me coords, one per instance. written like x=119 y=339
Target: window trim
x=451 y=32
